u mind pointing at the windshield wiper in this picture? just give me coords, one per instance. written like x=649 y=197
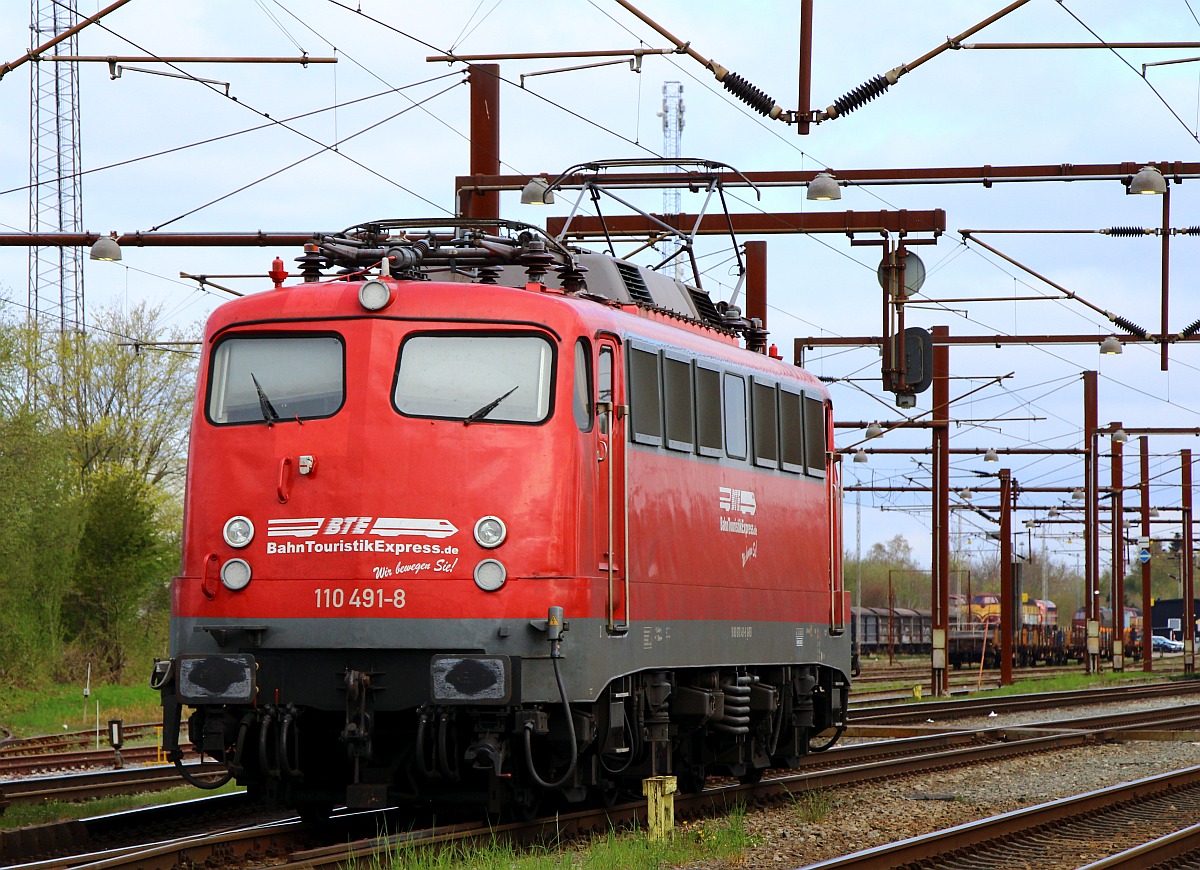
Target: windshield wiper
x=264 y=404
x=488 y=408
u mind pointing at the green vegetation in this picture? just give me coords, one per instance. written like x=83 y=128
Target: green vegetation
x=31 y=712
x=813 y=806
x=722 y=839
x=93 y=436
x=22 y=815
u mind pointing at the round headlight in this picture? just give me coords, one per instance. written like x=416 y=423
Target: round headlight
x=490 y=575
x=374 y=294
x=235 y=574
x=490 y=532
x=238 y=531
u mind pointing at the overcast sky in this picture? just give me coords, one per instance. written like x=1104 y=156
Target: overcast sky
x=400 y=151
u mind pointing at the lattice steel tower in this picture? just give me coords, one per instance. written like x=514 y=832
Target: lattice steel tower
x=55 y=273
x=672 y=118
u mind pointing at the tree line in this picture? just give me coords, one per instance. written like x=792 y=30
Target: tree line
x=93 y=444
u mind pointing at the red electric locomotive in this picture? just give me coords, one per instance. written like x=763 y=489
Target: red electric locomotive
x=485 y=517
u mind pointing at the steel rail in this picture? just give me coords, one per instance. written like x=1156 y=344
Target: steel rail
x=982 y=843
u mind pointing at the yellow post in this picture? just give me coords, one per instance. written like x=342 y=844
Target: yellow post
x=660 y=805
x=159 y=755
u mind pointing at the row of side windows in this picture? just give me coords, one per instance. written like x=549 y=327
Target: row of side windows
x=695 y=406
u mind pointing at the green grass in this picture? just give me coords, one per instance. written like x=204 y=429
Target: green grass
x=23 y=815
x=27 y=712
x=722 y=839
x=813 y=806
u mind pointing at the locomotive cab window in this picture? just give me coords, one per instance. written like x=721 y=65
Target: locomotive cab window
x=581 y=390
x=282 y=378
x=475 y=378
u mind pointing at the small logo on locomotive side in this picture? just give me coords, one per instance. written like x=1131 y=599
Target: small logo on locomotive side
x=384 y=527
x=738 y=500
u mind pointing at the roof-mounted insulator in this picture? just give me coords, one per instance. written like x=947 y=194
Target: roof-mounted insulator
x=312 y=261
x=1191 y=329
x=1127 y=232
x=572 y=277
x=488 y=274
x=1129 y=326
x=536 y=261
x=747 y=93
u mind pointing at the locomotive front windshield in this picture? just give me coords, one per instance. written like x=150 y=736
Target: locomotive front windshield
x=497 y=378
x=264 y=379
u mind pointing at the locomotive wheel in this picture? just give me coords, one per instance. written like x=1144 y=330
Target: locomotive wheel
x=315 y=813
x=690 y=778
x=752 y=776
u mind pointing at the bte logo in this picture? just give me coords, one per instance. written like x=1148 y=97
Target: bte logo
x=383 y=527
x=738 y=501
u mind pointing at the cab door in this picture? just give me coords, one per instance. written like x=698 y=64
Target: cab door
x=612 y=534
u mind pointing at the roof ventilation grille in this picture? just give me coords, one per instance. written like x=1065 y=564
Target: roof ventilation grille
x=634 y=283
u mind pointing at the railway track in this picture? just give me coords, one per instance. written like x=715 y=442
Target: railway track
x=1111 y=827
x=291 y=842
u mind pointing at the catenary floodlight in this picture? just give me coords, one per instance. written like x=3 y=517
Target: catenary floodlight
x=1111 y=345
x=823 y=188
x=1148 y=180
x=537 y=192
x=106 y=248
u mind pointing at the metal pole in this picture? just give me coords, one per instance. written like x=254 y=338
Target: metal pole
x=1117 y=595
x=804 y=100
x=1166 y=270
x=484 y=82
x=1091 y=544
x=1006 y=578
x=1147 y=620
x=756 y=281
x=1189 y=591
x=940 y=684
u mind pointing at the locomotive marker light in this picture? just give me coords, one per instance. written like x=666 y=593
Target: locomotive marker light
x=238 y=531
x=490 y=532
x=374 y=295
x=235 y=574
x=490 y=575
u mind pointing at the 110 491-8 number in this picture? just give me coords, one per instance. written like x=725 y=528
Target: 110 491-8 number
x=334 y=597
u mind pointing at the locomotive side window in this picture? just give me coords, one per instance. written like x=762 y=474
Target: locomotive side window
x=283 y=377
x=581 y=392
x=765 y=425
x=645 y=398
x=791 y=431
x=708 y=411
x=475 y=378
x=735 y=416
x=814 y=432
x=677 y=390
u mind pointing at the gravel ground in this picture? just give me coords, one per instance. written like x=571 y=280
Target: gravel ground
x=860 y=817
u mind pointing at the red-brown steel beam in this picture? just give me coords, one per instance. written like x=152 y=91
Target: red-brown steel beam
x=804 y=100
x=760 y=223
x=985 y=175
x=815 y=341
x=159 y=240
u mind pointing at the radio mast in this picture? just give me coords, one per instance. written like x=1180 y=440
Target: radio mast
x=55 y=205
